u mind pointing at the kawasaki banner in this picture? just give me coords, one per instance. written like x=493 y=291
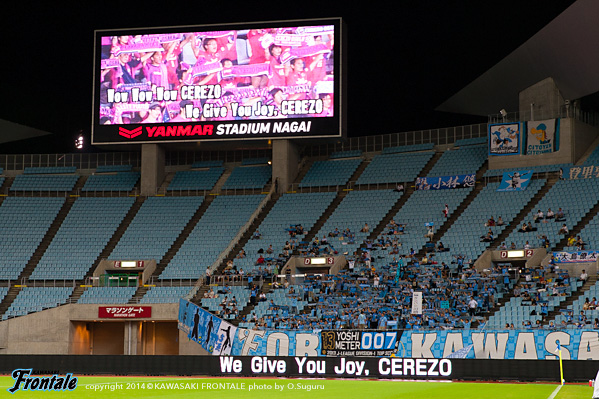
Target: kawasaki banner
x=221 y=338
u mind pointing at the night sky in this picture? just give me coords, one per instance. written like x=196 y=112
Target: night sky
x=404 y=60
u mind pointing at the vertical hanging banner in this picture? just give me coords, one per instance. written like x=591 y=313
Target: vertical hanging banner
x=504 y=138
x=517 y=180
x=417 y=303
x=541 y=136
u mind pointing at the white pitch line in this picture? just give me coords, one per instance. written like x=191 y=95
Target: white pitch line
x=555 y=391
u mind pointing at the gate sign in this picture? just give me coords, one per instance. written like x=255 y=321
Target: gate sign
x=124 y=312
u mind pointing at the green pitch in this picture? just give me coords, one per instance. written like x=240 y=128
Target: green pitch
x=225 y=388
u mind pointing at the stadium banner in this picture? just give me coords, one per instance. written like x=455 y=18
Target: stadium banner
x=445 y=182
x=540 y=344
x=212 y=334
x=417 y=302
x=504 y=138
x=575 y=257
x=542 y=136
x=359 y=343
x=296 y=367
x=517 y=180
x=217 y=336
x=258 y=80
x=580 y=172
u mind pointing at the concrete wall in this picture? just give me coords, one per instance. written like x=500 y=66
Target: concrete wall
x=285 y=163
x=542 y=100
x=76 y=329
x=152 y=168
x=584 y=136
x=564 y=155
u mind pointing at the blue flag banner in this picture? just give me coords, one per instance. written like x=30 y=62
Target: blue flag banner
x=575 y=257
x=445 y=182
x=504 y=138
x=517 y=180
x=542 y=136
x=219 y=337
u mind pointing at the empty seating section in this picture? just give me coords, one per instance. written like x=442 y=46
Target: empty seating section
x=36 y=299
x=250 y=177
x=44 y=183
x=120 y=181
x=463 y=237
x=3 y=292
x=355 y=210
x=207 y=164
x=49 y=170
x=408 y=148
x=346 y=154
x=394 y=168
x=471 y=141
x=109 y=295
x=218 y=226
x=589 y=235
x=535 y=169
x=423 y=206
x=196 y=179
x=330 y=172
x=167 y=294
x=23 y=224
x=113 y=168
x=460 y=161
x=81 y=238
x=290 y=209
x=593 y=158
x=157 y=224
x=575 y=197
x=254 y=161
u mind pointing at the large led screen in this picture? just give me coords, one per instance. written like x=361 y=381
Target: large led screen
x=259 y=81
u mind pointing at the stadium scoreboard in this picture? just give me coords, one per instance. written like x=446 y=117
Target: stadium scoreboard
x=260 y=80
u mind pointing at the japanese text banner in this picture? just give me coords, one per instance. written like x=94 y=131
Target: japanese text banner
x=445 y=182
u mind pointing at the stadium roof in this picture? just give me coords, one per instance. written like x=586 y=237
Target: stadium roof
x=565 y=50
x=403 y=62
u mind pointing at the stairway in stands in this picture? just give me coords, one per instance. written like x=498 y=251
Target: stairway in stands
x=523 y=214
x=408 y=191
x=249 y=232
x=323 y=218
x=114 y=240
x=5 y=188
x=76 y=191
x=380 y=228
x=570 y=300
x=37 y=255
x=478 y=187
x=172 y=251
x=579 y=227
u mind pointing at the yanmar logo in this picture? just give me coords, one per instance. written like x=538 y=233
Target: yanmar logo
x=130 y=133
x=168 y=131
